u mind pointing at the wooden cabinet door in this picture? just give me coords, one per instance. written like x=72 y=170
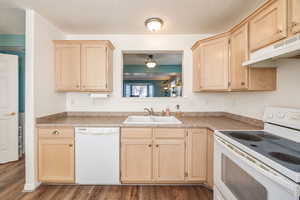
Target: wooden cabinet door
x=269 y=25
x=210 y=158
x=136 y=160
x=169 y=160
x=214 y=64
x=56 y=160
x=239 y=54
x=294 y=16
x=67 y=64
x=94 y=67
x=197 y=155
x=196 y=70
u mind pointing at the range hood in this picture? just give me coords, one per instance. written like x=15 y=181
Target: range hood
x=267 y=57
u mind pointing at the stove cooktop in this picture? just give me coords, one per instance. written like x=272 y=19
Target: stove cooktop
x=280 y=150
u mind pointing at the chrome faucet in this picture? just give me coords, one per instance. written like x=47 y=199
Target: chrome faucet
x=150 y=111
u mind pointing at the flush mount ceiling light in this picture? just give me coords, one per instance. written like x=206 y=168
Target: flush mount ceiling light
x=150 y=63
x=154 y=24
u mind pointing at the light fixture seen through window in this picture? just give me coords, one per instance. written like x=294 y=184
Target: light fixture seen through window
x=150 y=62
x=154 y=24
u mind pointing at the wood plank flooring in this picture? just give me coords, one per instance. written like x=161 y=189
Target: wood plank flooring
x=12 y=182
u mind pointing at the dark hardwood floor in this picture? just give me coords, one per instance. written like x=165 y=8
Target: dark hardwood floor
x=12 y=182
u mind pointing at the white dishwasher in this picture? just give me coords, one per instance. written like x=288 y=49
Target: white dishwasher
x=97 y=155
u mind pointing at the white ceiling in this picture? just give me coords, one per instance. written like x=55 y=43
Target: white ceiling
x=12 y=21
x=128 y=16
x=160 y=58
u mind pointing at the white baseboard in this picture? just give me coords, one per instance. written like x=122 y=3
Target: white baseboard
x=30 y=187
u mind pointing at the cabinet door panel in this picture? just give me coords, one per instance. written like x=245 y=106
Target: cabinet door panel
x=169 y=160
x=214 y=64
x=94 y=67
x=67 y=62
x=56 y=160
x=136 y=160
x=196 y=70
x=210 y=158
x=239 y=54
x=197 y=154
x=294 y=13
x=269 y=25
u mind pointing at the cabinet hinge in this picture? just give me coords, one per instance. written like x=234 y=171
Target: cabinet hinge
x=229 y=41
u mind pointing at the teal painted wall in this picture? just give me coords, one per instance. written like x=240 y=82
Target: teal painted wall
x=12 y=40
x=16 y=41
x=157 y=69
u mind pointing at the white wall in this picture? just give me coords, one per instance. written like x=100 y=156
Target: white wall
x=40 y=96
x=190 y=101
x=252 y=104
x=47 y=100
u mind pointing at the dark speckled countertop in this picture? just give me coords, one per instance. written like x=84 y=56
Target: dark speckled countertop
x=213 y=121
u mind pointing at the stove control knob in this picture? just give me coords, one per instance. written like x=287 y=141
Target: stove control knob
x=281 y=115
x=294 y=116
x=270 y=116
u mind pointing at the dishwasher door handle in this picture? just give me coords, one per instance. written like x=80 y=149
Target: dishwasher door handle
x=98 y=134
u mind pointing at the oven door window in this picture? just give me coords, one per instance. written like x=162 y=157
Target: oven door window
x=240 y=183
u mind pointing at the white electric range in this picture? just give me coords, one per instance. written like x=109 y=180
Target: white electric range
x=260 y=165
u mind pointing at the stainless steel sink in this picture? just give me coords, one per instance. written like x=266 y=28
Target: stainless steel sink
x=152 y=120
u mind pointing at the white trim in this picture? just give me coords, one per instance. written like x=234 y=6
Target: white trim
x=31 y=187
x=31 y=182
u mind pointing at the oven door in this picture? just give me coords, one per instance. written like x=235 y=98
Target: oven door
x=239 y=176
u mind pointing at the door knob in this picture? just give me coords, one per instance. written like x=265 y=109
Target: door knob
x=11 y=114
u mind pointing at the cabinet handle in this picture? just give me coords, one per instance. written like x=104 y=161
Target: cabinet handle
x=157 y=145
x=150 y=145
x=279 y=31
x=77 y=86
x=293 y=24
x=55 y=132
x=70 y=145
x=243 y=83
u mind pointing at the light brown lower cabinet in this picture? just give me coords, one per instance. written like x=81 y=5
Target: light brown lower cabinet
x=210 y=158
x=197 y=155
x=180 y=157
x=169 y=160
x=56 y=155
x=136 y=160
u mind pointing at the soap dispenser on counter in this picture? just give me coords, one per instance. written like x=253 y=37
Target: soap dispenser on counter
x=178 y=113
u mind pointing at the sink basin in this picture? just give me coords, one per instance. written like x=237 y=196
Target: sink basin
x=152 y=120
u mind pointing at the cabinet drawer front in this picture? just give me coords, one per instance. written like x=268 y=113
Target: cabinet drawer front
x=56 y=132
x=169 y=133
x=136 y=133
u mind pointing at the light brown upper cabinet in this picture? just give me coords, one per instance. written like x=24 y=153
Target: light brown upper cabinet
x=239 y=51
x=212 y=65
x=67 y=62
x=83 y=65
x=247 y=78
x=196 y=70
x=294 y=16
x=197 y=155
x=269 y=24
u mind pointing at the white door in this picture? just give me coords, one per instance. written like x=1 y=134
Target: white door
x=8 y=108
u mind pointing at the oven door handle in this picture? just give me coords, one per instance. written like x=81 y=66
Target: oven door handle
x=262 y=168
